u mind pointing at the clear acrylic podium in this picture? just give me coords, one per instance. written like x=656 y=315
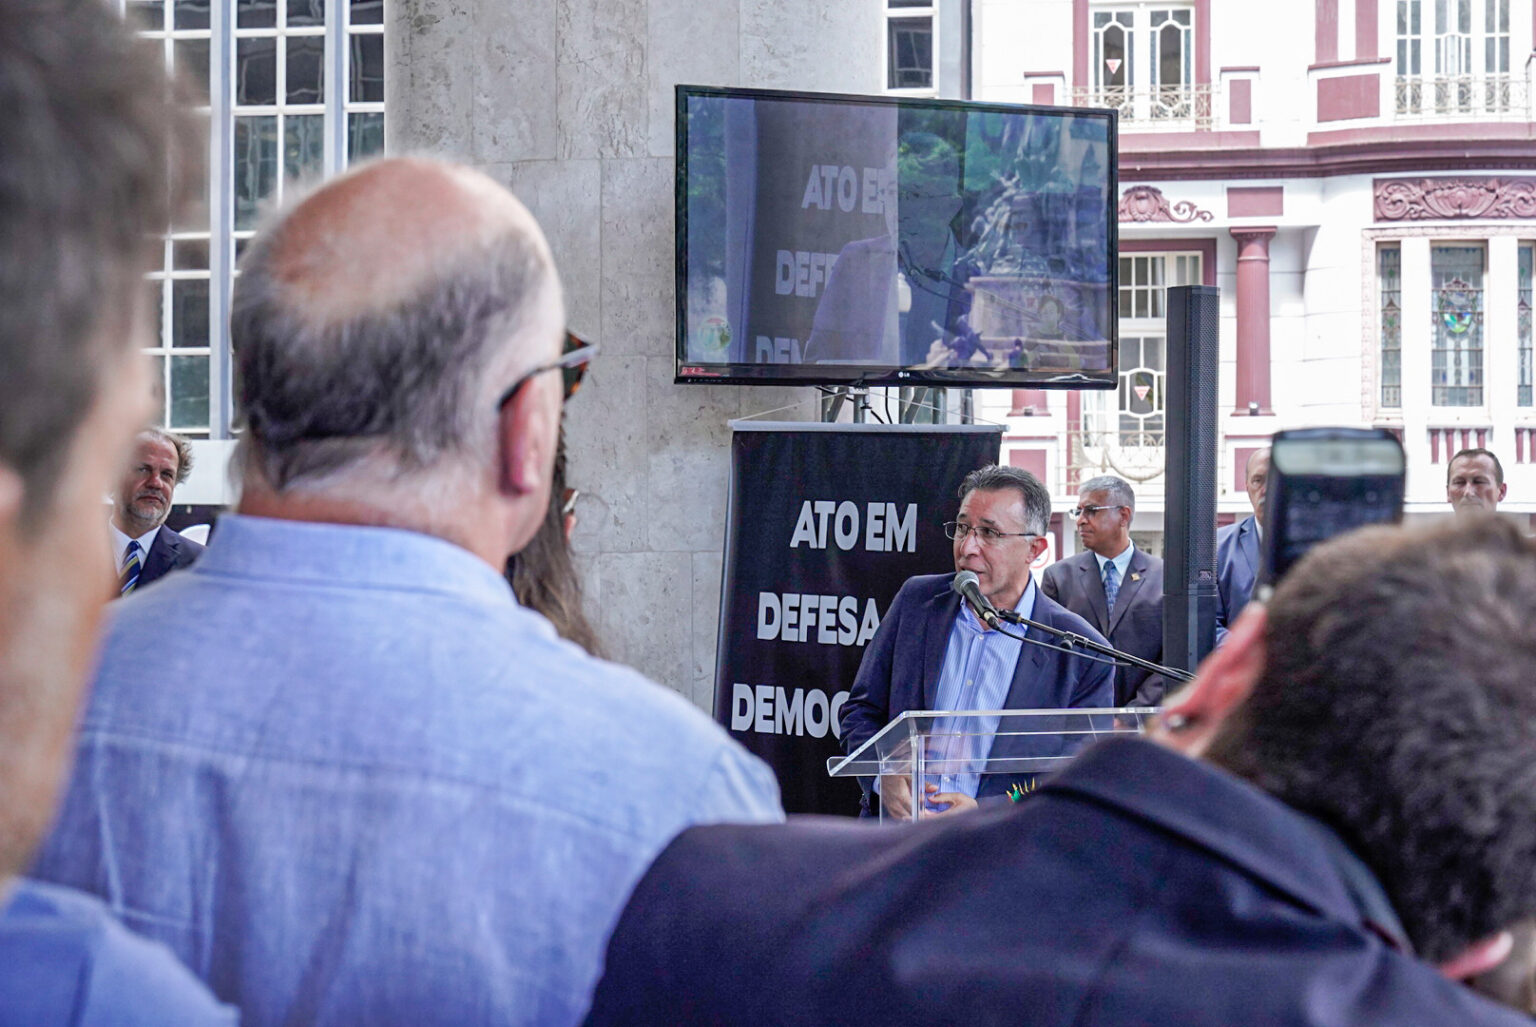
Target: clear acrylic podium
x=993 y=753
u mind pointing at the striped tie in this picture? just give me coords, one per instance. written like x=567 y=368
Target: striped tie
x=1111 y=585
x=129 y=579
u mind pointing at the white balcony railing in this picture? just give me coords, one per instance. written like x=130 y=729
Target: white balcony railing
x=1453 y=97
x=1179 y=108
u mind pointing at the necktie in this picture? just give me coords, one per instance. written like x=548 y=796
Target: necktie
x=129 y=579
x=1111 y=586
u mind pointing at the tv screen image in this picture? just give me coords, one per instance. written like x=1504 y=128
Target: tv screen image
x=835 y=240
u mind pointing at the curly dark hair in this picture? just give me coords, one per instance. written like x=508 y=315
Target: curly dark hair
x=1398 y=706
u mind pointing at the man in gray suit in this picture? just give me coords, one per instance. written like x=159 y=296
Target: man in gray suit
x=1114 y=586
x=1237 y=548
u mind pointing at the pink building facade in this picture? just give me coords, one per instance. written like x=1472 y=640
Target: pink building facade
x=1358 y=177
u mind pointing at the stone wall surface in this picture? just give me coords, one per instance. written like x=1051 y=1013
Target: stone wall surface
x=570 y=103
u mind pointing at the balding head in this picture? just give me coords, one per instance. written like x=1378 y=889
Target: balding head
x=375 y=323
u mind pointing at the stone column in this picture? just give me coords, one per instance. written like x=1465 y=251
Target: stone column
x=570 y=103
x=1253 y=319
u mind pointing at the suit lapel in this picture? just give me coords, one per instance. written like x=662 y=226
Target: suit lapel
x=1093 y=587
x=1135 y=575
x=1248 y=543
x=158 y=560
x=941 y=612
x=1031 y=663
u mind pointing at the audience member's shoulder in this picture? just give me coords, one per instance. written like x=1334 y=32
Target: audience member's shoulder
x=65 y=960
x=1229 y=530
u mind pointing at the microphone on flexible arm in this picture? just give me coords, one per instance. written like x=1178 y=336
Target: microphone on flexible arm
x=969 y=586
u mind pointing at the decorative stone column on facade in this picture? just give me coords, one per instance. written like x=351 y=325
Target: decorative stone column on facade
x=1253 y=319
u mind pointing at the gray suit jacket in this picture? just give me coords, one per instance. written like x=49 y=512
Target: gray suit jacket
x=169 y=552
x=1136 y=626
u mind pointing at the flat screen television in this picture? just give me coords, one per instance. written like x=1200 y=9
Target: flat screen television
x=839 y=240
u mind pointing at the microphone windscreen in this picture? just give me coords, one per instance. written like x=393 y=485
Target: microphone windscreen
x=963 y=580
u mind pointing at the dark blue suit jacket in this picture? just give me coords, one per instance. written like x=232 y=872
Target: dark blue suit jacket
x=1135 y=627
x=1135 y=887
x=169 y=552
x=901 y=668
x=1237 y=568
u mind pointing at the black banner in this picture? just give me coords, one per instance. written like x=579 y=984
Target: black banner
x=825 y=523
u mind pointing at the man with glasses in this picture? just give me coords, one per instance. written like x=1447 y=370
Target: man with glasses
x=366 y=786
x=1114 y=586
x=932 y=652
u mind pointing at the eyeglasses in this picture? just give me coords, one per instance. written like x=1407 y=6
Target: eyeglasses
x=1089 y=511
x=985 y=535
x=572 y=365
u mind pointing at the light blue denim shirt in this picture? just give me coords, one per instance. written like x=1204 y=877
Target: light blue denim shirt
x=348 y=780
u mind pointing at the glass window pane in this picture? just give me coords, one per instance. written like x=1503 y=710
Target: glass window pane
x=1114 y=67
x=157 y=385
x=147 y=15
x=256 y=72
x=303 y=145
x=256 y=14
x=367 y=69
x=910 y=44
x=1456 y=359
x=365 y=135
x=195 y=217
x=191 y=14
x=306 y=69
x=306 y=12
x=367 y=12
x=189 y=392
x=190 y=254
x=191 y=56
x=255 y=166
x=189 y=313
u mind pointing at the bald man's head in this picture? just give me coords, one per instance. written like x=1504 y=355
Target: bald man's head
x=379 y=318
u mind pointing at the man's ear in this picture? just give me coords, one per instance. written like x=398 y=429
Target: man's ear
x=1479 y=957
x=1192 y=715
x=523 y=443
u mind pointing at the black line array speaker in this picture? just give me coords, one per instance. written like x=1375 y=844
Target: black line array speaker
x=1189 y=549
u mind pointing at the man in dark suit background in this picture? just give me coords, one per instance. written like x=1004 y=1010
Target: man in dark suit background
x=1237 y=548
x=1112 y=565
x=1294 y=844
x=146 y=549
x=932 y=652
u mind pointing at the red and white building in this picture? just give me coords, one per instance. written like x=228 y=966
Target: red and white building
x=1357 y=176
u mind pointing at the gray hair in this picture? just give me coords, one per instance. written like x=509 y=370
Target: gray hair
x=1037 y=498
x=182 y=447
x=95 y=165
x=1120 y=491
x=413 y=384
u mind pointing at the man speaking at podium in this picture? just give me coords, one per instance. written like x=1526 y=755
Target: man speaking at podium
x=933 y=652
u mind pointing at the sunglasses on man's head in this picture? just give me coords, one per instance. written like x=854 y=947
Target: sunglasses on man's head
x=572 y=365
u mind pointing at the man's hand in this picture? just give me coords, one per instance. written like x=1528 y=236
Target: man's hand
x=953 y=802
x=896 y=796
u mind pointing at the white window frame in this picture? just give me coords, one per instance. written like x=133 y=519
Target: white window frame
x=221 y=235
x=913 y=13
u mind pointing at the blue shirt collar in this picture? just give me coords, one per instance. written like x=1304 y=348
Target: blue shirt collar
x=319 y=553
x=1121 y=562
